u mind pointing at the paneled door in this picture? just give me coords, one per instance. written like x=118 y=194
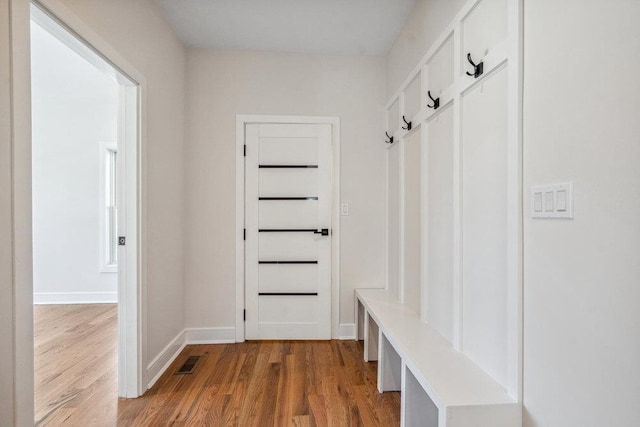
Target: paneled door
x=288 y=231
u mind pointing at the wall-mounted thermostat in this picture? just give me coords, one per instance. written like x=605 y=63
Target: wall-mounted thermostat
x=552 y=201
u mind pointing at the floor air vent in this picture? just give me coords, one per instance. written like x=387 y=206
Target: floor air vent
x=188 y=366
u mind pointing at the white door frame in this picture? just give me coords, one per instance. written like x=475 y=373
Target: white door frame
x=131 y=290
x=241 y=122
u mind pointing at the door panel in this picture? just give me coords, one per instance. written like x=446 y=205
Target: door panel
x=288 y=182
x=293 y=278
x=288 y=151
x=288 y=309
x=288 y=214
x=293 y=246
x=288 y=259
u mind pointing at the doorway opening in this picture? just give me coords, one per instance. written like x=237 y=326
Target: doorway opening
x=85 y=193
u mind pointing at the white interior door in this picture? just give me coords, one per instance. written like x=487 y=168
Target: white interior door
x=288 y=231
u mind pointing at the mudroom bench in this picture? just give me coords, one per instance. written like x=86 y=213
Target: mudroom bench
x=440 y=387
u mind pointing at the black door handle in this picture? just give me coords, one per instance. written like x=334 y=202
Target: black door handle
x=324 y=232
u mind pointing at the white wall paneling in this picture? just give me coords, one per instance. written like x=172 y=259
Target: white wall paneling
x=412 y=227
x=413 y=97
x=455 y=184
x=393 y=220
x=439 y=222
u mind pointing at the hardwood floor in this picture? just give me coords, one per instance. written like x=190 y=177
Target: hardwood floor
x=266 y=383
x=76 y=364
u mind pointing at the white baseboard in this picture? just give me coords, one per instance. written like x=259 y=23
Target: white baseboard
x=161 y=362
x=347 y=331
x=75 y=297
x=189 y=336
x=210 y=335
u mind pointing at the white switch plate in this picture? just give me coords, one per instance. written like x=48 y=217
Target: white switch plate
x=344 y=209
x=552 y=201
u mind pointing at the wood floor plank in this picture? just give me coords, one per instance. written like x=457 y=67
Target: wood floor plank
x=256 y=383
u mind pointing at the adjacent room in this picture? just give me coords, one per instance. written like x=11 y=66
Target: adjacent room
x=378 y=213
x=79 y=121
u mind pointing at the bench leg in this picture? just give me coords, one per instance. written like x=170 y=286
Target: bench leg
x=416 y=408
x=389 y=366
x=371 y=332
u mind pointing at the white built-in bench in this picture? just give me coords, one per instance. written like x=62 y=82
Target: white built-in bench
x=439 y=386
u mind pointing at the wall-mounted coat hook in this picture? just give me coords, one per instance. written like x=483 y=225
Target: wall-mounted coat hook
x=407 y=123
x=389 y=139
x=436 y=102
x=477 y=69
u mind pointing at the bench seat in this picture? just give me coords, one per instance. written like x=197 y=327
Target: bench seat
x=412 y=356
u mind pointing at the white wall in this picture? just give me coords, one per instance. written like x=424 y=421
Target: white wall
x=137 y=32
x=74 y=109
x=582 y=276
x=223 y=84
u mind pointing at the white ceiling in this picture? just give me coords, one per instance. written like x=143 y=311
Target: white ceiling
x=317 y=26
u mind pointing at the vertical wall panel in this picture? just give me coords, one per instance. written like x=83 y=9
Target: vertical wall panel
x=440 y=69
x=484 y=224
x=412 y=97
x=393 y=118
x=440 y=223
x=483 y=29
x=393 y=221
x=412 y=218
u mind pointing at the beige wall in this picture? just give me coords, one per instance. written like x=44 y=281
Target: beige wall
x=223 y=84
x=138 y=32
x=16 y=320
x=427 y=20
x=582 y=277
x=7 y=345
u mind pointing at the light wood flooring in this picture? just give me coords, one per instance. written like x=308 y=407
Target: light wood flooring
x=266 y=383
x=76 y=381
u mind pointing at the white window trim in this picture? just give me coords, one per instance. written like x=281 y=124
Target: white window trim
x=104 y=267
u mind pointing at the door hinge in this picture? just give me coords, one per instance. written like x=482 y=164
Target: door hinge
x=244 y=315
x=244 y=234
x=122 y=241
x=245 y=150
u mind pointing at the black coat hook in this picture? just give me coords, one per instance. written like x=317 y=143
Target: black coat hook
x=477 y=69
x=436 y=102
x=407 y=123
x=390 y=139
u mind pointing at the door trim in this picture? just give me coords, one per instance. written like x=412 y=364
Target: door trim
x=132 y=309
x=241 y=121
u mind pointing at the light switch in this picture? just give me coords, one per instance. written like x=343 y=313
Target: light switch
x=344 y=209
x=561 y=201
x=537 y=202
x=548 y=201
x=552 y=201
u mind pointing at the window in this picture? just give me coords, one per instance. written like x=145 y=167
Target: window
x=108 y=209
